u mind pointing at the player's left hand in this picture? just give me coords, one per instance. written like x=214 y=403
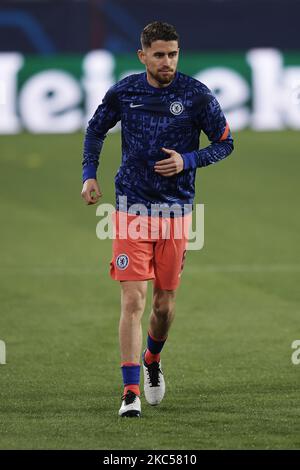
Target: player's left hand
x=170 y=166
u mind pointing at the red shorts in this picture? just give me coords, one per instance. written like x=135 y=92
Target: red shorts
x=147 y=247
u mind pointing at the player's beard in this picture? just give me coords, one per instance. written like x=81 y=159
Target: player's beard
x=161 y=78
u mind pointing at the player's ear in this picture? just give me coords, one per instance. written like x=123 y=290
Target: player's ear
x=141 y=56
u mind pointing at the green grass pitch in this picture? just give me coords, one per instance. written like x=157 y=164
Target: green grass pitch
x=230 y=380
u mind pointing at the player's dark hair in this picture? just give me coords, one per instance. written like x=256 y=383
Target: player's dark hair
x=158 y=31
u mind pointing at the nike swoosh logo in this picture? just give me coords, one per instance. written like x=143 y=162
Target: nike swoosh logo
x=135 y=105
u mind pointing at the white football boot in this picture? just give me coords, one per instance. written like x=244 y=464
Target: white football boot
x=131 y=406
x=154 y=382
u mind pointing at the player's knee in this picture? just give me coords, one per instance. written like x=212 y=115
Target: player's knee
x=133 y=303
x=163 y=304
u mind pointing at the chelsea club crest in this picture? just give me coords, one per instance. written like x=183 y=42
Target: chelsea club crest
x=122 y=261
x=176 y=108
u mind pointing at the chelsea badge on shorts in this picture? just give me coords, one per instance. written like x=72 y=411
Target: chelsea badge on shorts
x=122 y=261
x=176 y=108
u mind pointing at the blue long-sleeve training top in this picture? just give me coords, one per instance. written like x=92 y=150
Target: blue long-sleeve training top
x=151 y=118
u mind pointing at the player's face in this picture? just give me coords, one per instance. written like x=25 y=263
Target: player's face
x=161 y=61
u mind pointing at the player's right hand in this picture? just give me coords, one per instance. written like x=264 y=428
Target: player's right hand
x=91 y=192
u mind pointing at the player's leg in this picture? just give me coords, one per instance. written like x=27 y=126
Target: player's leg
x=168 y=262
x=163 y=312
x=133 y=300
x=132 y=264
x=161 y=318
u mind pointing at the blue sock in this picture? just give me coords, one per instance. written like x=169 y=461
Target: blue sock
x=131 y=377
x=153 y=350
x=155 y=346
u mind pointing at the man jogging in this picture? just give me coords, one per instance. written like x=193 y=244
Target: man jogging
x=162 y=113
